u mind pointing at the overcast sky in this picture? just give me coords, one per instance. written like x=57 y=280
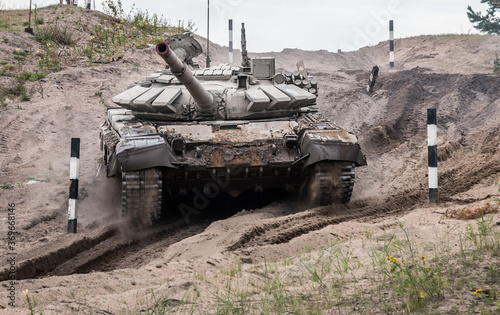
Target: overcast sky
x=272 y=25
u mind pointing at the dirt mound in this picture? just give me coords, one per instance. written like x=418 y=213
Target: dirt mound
x=391 y=125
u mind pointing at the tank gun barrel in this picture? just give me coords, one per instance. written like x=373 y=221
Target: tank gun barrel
x=206 y=103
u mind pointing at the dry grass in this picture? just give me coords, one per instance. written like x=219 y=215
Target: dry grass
x=13 y=19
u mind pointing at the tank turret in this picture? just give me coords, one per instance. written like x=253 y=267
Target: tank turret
x=205 y=101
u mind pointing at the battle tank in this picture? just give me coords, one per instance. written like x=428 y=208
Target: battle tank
x=190 y=133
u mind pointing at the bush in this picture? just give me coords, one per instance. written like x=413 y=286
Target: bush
x=31 y=76
x=56 y=34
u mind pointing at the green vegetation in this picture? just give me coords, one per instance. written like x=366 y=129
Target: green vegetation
x=54 y=34
x=30 y=76
x=413 y=280
x=31 y=302
x=13 y=19
x=489 y=22
x=402 y=276
x=496 y=67
x=110 y=40
x=104 y=42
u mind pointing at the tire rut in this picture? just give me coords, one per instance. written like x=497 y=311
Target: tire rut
x=120 y=253
x=43 y=264
x=285 y=229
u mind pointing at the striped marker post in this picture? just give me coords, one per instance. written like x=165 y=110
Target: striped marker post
x=432 y=154
x=74 y=169
x=230 y=41
x=391 y=43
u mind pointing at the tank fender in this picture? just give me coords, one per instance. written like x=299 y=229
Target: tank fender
x=324 y=148
x=113 y=166
x=143 y=152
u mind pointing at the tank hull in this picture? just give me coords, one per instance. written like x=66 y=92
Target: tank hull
x=207 y=158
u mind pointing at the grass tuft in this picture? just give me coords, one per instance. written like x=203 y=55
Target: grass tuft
x=56 y=34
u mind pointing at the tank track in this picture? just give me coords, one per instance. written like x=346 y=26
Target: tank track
x=332 y=183
x=142 y=196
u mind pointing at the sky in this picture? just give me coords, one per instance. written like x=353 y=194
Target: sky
x=273 y=25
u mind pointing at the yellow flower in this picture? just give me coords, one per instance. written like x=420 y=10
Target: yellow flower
x=25 y=292
x=422 y=257
x=477 y=291
x=393 y=260
x=422 y=295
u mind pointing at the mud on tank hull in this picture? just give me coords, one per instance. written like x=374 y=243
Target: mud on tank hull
x=166 y=161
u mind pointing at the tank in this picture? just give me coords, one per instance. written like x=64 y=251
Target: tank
x=186 y=135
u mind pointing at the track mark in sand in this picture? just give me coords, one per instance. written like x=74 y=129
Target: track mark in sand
x=119 y=252
x=43 y=264
x=109 y=250
x=4 y=148
x=285 y=229
x=462 y=179
x=44 y=218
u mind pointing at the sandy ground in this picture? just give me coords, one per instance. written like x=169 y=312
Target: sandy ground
x=107 y=269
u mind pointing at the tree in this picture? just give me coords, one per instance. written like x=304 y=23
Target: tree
x=488 y=23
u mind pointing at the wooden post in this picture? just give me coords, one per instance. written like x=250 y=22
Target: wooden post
x=371 y=81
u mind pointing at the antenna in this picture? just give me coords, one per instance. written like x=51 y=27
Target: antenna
x=208 y=34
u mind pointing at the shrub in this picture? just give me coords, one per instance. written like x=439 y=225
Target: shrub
x=56 y=34
x=31 y=76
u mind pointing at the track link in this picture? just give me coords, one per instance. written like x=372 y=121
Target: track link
x=142 y=196
x=332 y=183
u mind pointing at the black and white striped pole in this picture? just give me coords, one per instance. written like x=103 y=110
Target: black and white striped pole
x=74 y=168
x=432 y=154
x=391 y=43
x=230 y=41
